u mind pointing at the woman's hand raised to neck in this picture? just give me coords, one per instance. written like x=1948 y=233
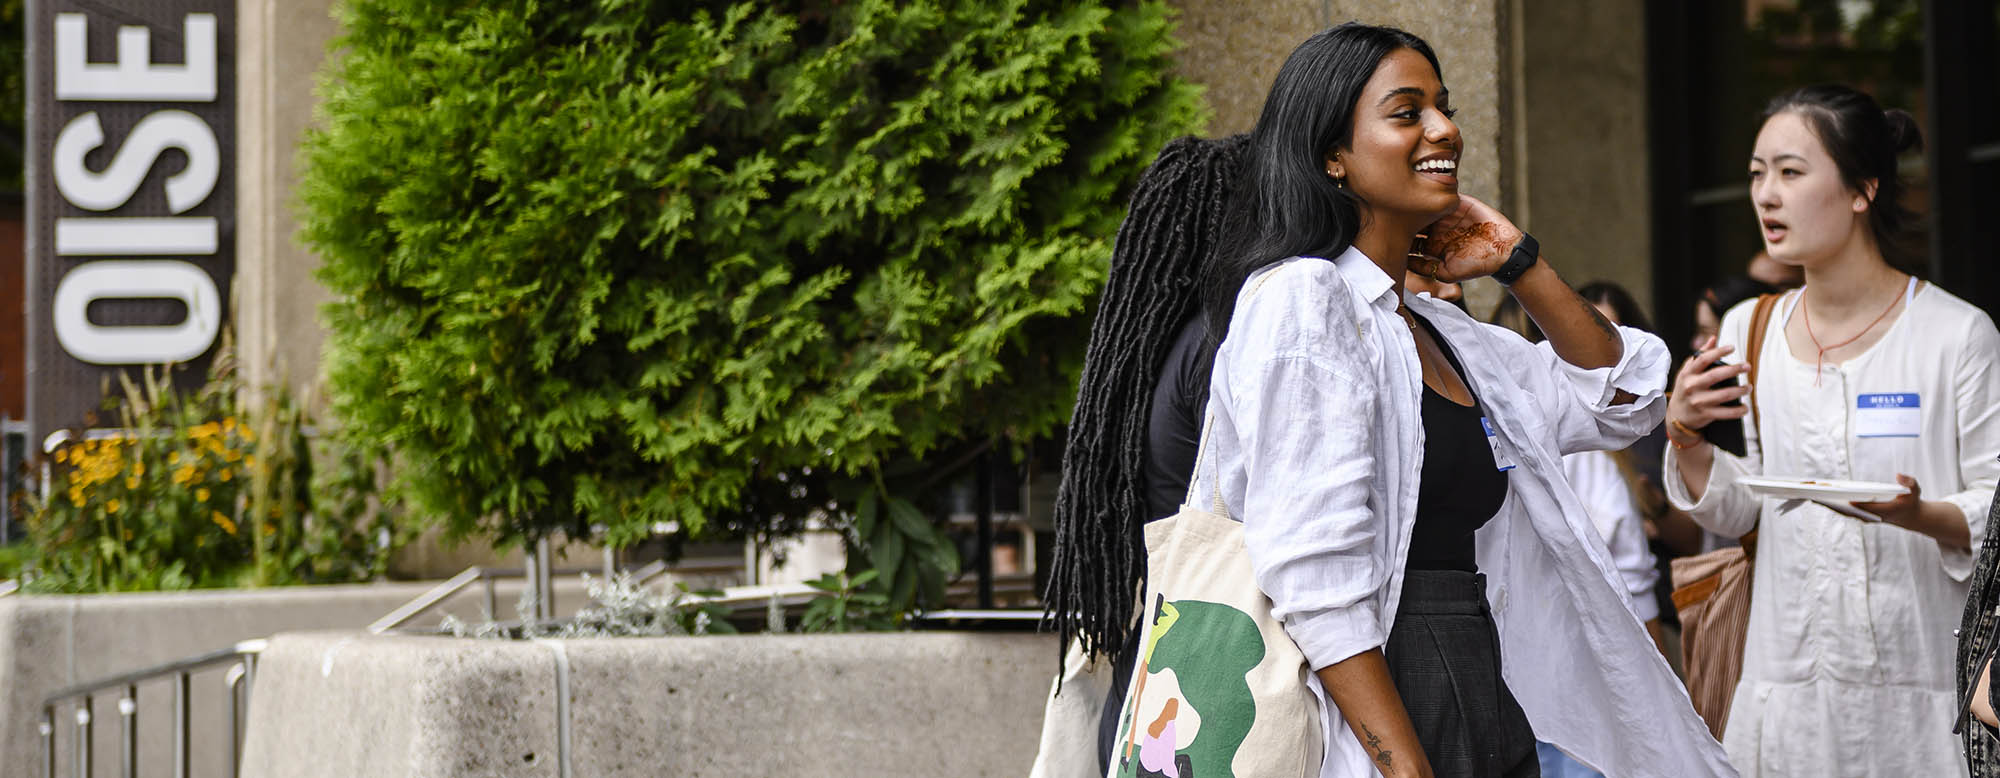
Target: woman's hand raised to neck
x=1387 y=246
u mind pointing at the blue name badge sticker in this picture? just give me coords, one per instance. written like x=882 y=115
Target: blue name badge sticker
x=1500 y=459
x=1898 y=415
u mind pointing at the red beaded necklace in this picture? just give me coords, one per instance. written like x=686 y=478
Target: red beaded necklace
x=1820 y=360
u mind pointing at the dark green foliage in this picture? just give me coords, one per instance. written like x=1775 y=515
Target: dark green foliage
x=713 y=266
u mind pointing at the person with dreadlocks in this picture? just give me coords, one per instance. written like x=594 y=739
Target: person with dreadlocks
x=1128 y=451
x=1384 y=451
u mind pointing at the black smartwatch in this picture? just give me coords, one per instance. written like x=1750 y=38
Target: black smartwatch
x=1524 y=256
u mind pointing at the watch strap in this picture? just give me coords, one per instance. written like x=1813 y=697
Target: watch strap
x=1525 y=253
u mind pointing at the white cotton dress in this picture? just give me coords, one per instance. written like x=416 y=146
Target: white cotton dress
x=1848 y=667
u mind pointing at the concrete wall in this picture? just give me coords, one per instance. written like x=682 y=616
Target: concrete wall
x=49 y=642
x=1586 y=192
x=281 y=45
x=888 y=705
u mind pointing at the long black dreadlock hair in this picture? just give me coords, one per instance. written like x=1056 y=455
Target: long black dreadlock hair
x=1170 y=235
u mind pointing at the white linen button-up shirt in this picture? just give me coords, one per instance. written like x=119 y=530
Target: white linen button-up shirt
x=1848 y=666
x=1317 y=443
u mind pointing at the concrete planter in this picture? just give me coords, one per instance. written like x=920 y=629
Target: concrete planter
x=48 y=642
x=900 y=704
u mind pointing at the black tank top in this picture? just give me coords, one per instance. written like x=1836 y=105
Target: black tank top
x=1460 y=488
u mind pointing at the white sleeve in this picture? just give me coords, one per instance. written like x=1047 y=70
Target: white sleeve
x=1308 y=438
x=1976 y=386
x=1577 y=401
x=1726 y=508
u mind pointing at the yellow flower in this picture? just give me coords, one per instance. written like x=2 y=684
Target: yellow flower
x=131 y=482
x=223 y=522
x=76 y=496
x=224 y=474
x=112 y=506
x=201 y=495
x=184 y=475
x=174 y=458
x=139 y=467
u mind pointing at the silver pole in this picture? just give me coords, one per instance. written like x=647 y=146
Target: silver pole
x=234 y=681
x=48 y=730
x=492 y=603
x=545 y=590
x=83 y=739
x=182 y=693
x=128 y=719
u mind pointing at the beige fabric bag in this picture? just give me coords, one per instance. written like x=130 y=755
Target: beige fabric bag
x=1218 y=688
x=1069 y=721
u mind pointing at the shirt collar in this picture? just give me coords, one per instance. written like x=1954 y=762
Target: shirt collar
x=1365 y=277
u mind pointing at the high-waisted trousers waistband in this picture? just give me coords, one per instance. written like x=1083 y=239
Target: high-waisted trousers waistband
x=1444 y=657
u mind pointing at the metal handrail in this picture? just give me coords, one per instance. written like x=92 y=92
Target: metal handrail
x=428 y=600
x=243 y=660
x=9 y=586
x=449 y=587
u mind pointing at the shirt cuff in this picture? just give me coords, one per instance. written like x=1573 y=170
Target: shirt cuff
x=1641 y=372
x=1959 y=562
x=1331 y=636
x=1645 y=606
x=1720 y=477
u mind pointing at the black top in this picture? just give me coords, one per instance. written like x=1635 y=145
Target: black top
x=1461 y=488
x=1173 y=425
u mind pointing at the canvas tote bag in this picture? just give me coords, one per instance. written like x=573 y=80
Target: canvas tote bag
x=1218 y=687
x=1069 y=720
x=1712 y=591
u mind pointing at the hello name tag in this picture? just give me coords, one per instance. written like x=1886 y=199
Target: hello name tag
x=1888 y=415
x=1500 y=459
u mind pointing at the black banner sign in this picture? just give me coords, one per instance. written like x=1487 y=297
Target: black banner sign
x=130 y=195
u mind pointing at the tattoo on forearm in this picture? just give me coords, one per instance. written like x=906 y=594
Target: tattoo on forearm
x=1382 y=755
x=1603 y=325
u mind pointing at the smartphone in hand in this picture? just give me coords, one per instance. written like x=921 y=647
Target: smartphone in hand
x=1727 y=434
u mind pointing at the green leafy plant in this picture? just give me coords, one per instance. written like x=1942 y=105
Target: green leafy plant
x=713 y=268
x=910 y=558
x=849 y=605
x=196 y=490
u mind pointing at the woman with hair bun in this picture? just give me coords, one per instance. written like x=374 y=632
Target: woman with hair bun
x=1865 y=374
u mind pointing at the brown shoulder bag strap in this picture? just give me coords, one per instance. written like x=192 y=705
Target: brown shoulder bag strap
x=1753 y=347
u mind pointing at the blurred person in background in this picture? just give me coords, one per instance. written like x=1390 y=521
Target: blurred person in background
x=1866 y=373
x=1716 y=300
x=1773 y=273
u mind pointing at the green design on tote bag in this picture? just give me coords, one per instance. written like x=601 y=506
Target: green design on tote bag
x=1190 y=707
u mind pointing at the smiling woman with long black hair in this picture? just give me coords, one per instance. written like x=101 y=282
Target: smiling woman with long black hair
x=1395 y=463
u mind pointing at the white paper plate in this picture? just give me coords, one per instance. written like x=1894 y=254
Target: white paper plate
x=1789 y=488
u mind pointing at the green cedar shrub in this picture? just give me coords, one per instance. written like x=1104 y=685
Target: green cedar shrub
x=626 y=265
